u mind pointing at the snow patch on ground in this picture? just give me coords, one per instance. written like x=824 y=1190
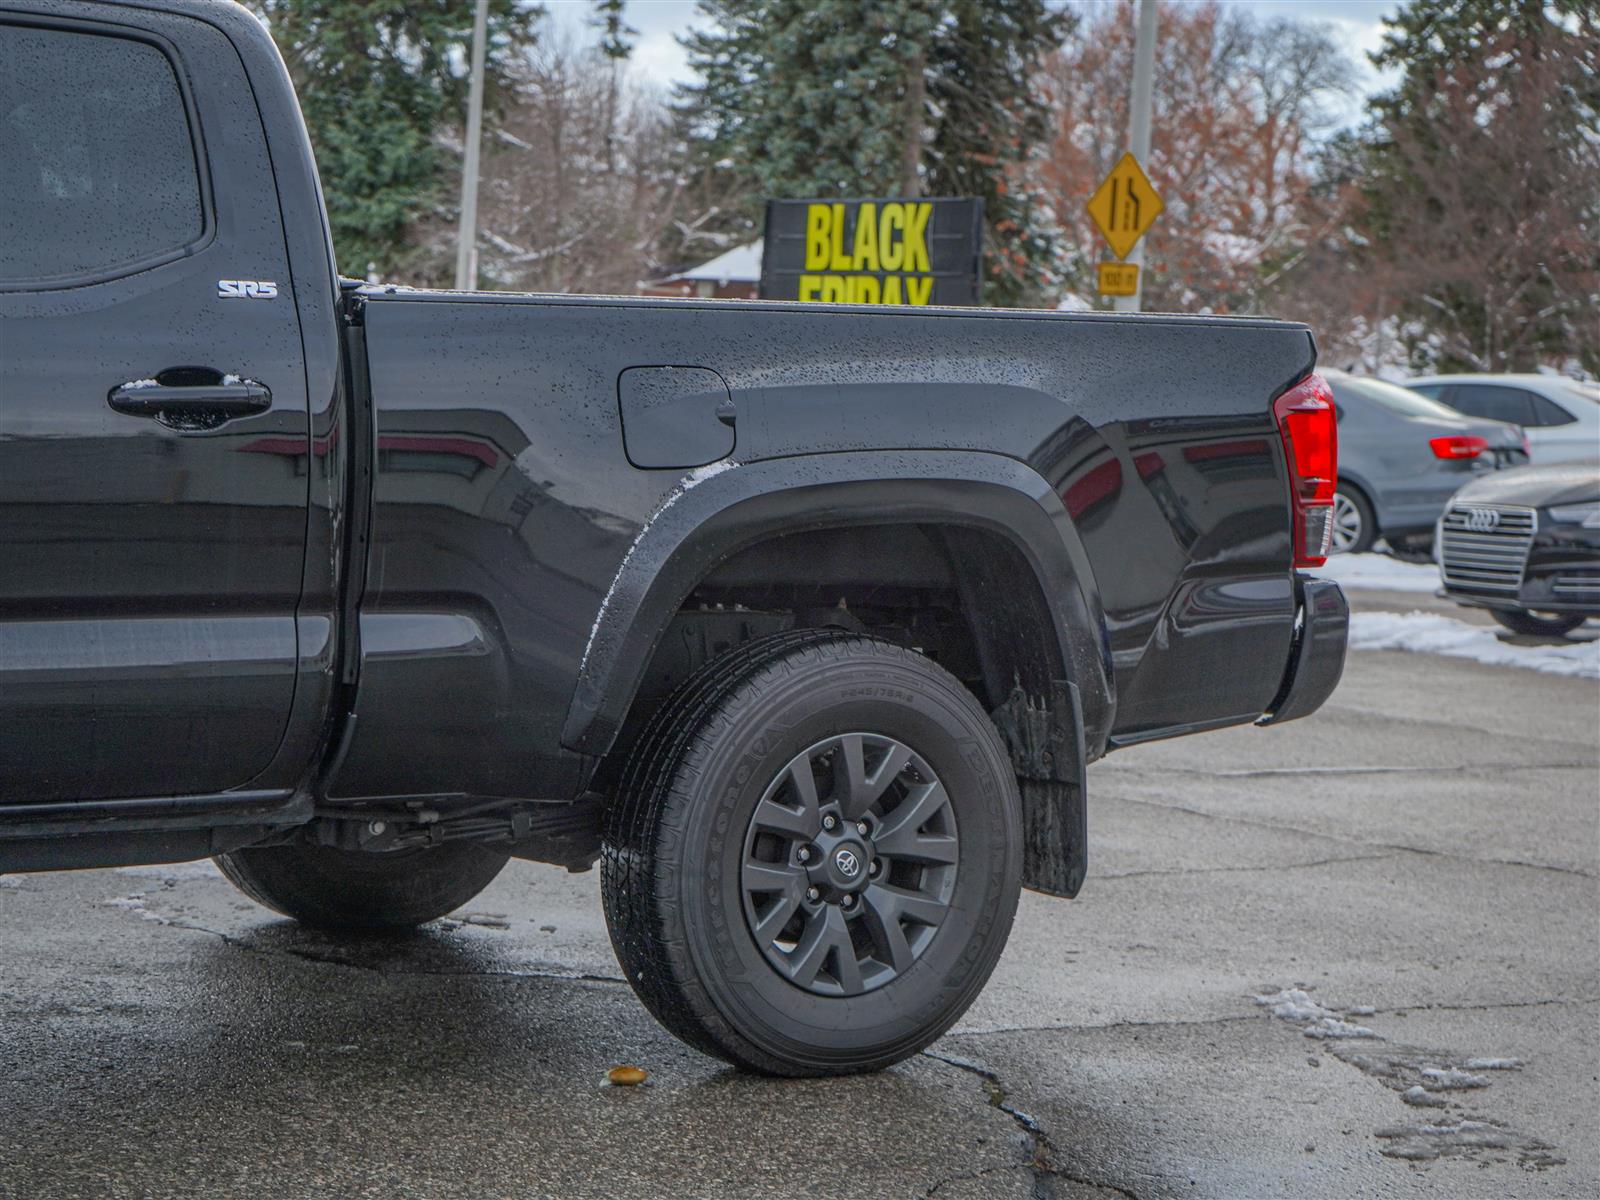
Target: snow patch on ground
x=1430 y=633
x=1420 y=1097
x=1333 y=1027
x=10 y=881
x=136 y=904
x=1295 y=1004
x=1380 y=571
x=204 y=869
x=1494 y=1064
x=1452 y=1078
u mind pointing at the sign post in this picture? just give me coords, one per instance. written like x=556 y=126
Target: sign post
x=1125 y=205
x=1144 y=70
x=467 y=236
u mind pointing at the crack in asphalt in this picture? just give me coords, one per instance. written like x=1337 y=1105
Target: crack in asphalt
x=1041 y=1151
x=1486 y=1007
x=1299 y=866
x=1228 y=1020
x=1349 y=841
x=1198 y=1021
x=1272 y=772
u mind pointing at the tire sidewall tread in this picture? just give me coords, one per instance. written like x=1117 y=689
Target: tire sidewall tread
x=681 y=935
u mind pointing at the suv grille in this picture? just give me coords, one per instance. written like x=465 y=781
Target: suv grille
x=1581 y=584
x=1484 y=547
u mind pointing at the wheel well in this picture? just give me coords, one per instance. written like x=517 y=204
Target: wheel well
x=967 y=598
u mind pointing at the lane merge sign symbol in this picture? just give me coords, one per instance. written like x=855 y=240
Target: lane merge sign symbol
x=1125 y=205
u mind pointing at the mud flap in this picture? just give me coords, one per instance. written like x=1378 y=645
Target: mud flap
x=1045 y=737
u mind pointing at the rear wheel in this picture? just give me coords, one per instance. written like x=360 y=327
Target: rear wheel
x=814 y=856
x=1354 y=526
x=354 y=890
x=1521 y=620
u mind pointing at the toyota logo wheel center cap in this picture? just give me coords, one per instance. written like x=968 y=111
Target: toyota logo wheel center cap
x=839 y=862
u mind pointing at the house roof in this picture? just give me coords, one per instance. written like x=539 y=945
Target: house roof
x=741 y=263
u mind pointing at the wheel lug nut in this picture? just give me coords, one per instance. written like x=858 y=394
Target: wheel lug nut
x=863 y=828
x=830 y=822
x=874 y=867
x=804 y=854
x=848 y=902
x=813 y=895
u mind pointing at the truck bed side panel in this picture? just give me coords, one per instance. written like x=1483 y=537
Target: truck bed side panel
x=505 y=503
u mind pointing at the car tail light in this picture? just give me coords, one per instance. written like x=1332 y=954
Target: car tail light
x=1458 y=445
x=1309 y=428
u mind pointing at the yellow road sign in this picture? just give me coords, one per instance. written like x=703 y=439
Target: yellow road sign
x=1125 y=206
x=1119 y=279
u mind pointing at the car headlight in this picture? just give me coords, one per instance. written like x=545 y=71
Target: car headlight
x=1587 y=515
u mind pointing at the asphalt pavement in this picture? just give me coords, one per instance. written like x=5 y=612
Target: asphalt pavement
x=1355 y=956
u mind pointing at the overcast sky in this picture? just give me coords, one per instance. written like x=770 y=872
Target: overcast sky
x=659 y=59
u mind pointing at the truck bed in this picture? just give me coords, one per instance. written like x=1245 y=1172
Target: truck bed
x=506 y=501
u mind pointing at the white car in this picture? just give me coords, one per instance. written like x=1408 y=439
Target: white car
x=1561 y=416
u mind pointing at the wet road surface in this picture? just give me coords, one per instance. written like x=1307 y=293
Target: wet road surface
x=1418 y=862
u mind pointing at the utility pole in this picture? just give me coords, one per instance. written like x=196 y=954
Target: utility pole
x=467 y=241
x=1144 y=70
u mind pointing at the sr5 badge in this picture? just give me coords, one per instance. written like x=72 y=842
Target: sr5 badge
x=246 y=289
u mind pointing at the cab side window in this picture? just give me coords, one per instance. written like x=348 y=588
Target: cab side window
x=100 y=173
x=1494 y=402
x=1548 y=412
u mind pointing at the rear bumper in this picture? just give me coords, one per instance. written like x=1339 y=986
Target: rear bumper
x=1316 y=659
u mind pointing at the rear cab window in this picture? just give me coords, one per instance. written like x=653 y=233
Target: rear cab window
x=101 y=173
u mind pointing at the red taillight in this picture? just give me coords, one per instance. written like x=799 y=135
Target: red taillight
x=1309 y=428
x=1458 y=446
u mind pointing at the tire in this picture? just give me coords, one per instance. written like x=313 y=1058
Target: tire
x=1520 y=620
x=1355 y=528
x=683 y=837
x=333 y=889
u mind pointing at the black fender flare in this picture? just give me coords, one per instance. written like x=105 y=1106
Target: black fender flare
x=719 y=510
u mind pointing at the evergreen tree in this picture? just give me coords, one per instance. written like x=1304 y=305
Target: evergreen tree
x=379 y=81
x=981 y=83
x=816 y=98
x=616 y=46
x=616 y=35
x=1480 y=180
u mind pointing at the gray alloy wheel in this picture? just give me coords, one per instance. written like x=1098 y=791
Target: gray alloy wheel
x=813 y=854
x=849 y=864
x=1354 y=528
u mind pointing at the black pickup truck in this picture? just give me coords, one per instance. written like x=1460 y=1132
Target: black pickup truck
x=803 y=620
